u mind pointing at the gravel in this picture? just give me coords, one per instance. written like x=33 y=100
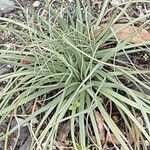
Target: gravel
x=6 y=6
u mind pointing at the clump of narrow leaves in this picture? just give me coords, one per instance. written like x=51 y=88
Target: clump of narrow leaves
x=73 y=81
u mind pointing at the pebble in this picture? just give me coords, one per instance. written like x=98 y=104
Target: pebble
x=115 y=2
x=36 y=4
x=6 y=6
x=5 y=68
x=70 y=1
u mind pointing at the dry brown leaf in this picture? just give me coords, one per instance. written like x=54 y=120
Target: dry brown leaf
x=62 y=135
x=100 y=124
x=141 y=35
x=97 y=3
x=44 y=14
x=61 y=146
x=25 y=62
x=112 y=139
x=63 y=132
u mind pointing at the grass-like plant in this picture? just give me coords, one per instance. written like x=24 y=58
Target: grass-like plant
x=67 y=74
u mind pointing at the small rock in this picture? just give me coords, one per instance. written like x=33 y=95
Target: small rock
x=5 y=68
x=70 y=1
x=24 y=135
x=36 y=4
x=27 y=144
x=115 y=2
x=6 y=6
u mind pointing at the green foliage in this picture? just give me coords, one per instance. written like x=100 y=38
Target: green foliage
x=73 y=71
x=74 y=105
x=146 y=57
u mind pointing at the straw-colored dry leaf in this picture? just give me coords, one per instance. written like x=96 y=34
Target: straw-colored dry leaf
x=136 y=134
x=1 y=91
x=139 y=35
x=100 y=124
